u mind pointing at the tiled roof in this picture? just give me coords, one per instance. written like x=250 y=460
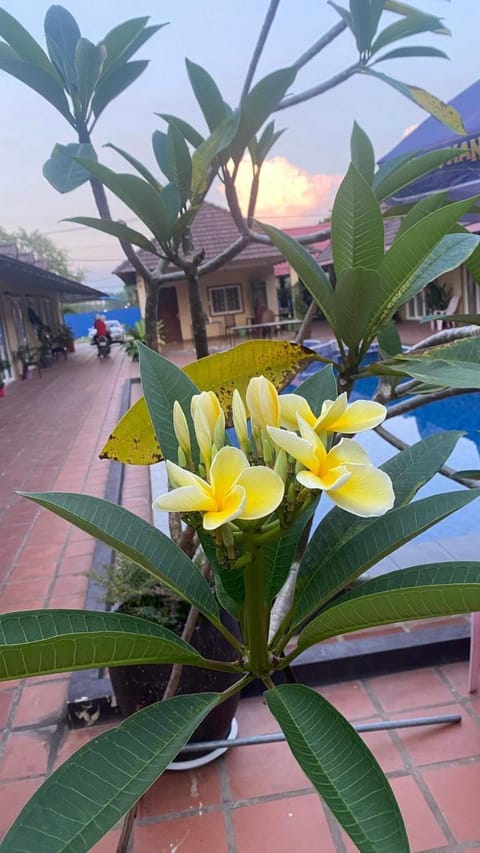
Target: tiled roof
x=213 y=230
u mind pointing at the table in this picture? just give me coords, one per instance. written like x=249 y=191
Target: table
x=275 y=325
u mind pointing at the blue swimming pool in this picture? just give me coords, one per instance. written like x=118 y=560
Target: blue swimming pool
x=455 y=413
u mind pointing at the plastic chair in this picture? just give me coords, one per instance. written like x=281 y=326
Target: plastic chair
x=439 y=313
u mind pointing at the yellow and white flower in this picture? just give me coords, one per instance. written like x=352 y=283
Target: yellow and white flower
x=234 y=490
x=345 y=472
x=208 y=420
x=336 y=415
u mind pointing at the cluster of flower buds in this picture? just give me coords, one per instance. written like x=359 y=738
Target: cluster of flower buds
x=283 y=460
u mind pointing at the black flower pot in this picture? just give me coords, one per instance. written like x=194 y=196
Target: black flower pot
x=137 y=686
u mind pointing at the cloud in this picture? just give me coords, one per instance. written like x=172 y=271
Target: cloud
x=408 y=130
x=287 y=193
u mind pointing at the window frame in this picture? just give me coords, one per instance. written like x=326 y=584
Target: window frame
x=224 y=287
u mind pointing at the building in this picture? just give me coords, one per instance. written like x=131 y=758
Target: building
x=30 y=297
x=236 y=294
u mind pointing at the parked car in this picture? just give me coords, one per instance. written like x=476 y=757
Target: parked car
x=117 y=331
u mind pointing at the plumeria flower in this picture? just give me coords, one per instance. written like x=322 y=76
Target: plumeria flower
x=234 y=490
x=345 y=472
x=336 y=416
x=207 y=415
x=264 y=410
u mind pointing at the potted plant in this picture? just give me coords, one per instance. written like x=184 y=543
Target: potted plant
x=63 y=337
x=131 y=590
x=136 y=334
x=4 y=365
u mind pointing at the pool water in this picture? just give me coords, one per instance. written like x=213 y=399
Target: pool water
x=455 y=413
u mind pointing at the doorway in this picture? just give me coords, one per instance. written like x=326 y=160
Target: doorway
x=168 y=314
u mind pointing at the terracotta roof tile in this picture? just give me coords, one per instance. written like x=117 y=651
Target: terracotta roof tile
x=213 y=230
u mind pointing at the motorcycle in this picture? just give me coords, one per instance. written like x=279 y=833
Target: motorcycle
x=103 y=346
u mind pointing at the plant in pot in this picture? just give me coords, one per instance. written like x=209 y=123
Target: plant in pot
x=63 y=337
x=437 y=296
x=4 y=365
x=131 y=590
x=136 y=334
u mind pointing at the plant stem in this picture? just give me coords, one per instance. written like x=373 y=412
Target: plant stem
x=256 y=611
x=262 y=38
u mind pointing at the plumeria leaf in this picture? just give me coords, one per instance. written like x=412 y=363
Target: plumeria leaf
x=141 y=169
x=411 y=25
x=411 y=52
x=188 y=132
x=207 y=94
x=258 y=105
x=89 y=59
x=419 y=592
x=115 y=82
x=341 y=768
x=433 y=105
x=63 y=171
x=311 y=274
x=133 y=537
x=363 y=156
x=317 y=585
x=25 y=45
x=355 y=294
x=452 y=365
x=42 y=642
x=62 y=35
x=91 y=791
x=37 y=78
x=319 y=387
x=395 y=174
x=163 y=383
x=118 y=230
x=357 y=225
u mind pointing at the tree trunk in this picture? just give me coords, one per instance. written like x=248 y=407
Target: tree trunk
x=199 y=329
x=151 y=314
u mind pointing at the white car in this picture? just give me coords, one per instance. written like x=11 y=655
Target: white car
x=117 y=331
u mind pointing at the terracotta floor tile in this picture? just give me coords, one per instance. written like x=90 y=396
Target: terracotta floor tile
x=256 y=771
x=6 y=700
x=17 y=593
x=412 y=689
x=73 y=739
x=423 y=829
x=67 y=602
x=26 y=754
x=457 y=675
x=26 y=571
x=455 y=790
x=254 y=718
x=197 y=834
x=184 y=790
x=41 y=704
x=71 y=585
x=13 y=796
x=291 y=825
x=350 y=698
x=433 y=744
x=385 y=751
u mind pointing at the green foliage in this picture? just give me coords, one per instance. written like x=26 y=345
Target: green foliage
x=43 y=247
x=136 y=334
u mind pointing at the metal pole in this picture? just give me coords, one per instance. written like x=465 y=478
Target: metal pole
x=276 y=737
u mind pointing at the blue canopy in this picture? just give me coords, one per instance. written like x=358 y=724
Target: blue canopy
x=460 y=177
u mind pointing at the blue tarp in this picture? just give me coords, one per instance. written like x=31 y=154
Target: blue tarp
x=80 y=323
x=459 y=176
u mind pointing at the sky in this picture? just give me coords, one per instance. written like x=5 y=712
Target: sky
x=307 y=163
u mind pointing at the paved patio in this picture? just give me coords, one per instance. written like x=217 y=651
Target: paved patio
x=51 y=430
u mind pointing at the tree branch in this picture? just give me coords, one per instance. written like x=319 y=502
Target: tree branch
x=445 y=336
x=423 y=399
x=291 y=100
x=262 y=38
x=445 y=470
x=319 y=45
x=306 y=323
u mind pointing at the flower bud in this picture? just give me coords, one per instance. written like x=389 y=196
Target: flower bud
x=239 y=414
x=180 y=426
x=219 y=431
x=262 y=402
x=281 y=465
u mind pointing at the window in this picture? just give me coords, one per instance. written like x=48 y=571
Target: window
x=225 y=300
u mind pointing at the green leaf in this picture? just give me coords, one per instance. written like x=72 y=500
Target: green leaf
x=344 y=14
x=448 y=255
x=179 y=163
x=322 y=579
x=163 y=383
x=125 y=39
x=410 y=53
x=63 y=171
x=170 y=207
x=138 y=195
x=25 y=45
x=159 y=145
x=400 y=8
x=416 y=254
x=116 y=229
x=91 y=791
x=433 y=105
x=365 y=19
x=389 y=339
x=207 y=94
x=393 y=175
x=419 y=592
x=89 y=59
x=310 y=273
x=363 y=156
x=439 y=372
x=136 y=539
x=341 y=768
x=357 y=225
x=421 y=209
x=141 y=169
x=113 y=84
x=208 y=151
x=258 y=105
x=42 y=642
x=318 y=388
x=355 y=294
x=408 y=470
x=267 y=140
x=36 y=78
x=188 y=132
x=411 y=25
x=62 y=34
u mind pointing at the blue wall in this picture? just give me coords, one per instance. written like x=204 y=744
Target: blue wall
x=80 y=323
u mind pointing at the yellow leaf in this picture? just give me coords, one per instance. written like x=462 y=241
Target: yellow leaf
x=437 y=108
x=133 y=440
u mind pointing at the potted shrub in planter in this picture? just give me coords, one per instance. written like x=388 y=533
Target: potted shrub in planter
x=4 y=365
x=132 y=591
